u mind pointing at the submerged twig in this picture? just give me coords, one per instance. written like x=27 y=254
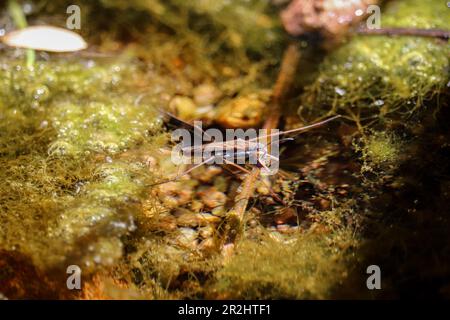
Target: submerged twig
x=284 y=81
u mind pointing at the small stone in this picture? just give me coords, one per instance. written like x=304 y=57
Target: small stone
x=174 y=194
x=188 y=219
x=207 y=174
x=242 y=112
x=253 y=223
x=187 y=237
x=184 y=107
x=287 y=215
x=212 y=198
x=206 y=232
x=283 y=228
x=207 y=218
x=207 y=245
x=43 y=125
x=206 y=94
x=196 y=205
x=219 y=211
x=164 y=223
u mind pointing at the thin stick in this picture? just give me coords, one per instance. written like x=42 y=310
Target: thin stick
x=235 y=217
x=272 y=193
x=242 y=198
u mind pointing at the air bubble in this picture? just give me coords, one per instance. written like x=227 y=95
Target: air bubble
x=340 y=91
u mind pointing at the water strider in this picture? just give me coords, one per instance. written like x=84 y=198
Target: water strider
x=251 y=151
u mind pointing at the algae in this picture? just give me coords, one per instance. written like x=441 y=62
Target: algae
x=303 y=266
x=56 y=121
x=380 y=151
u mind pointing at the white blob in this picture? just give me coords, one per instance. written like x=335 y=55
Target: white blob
x=45 y=38
x=359 y=12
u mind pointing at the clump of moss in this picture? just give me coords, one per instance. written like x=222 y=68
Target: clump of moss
x=383 y=76
x=158 y=263
x=304 y=266
x=94 y=122
x=380 y=150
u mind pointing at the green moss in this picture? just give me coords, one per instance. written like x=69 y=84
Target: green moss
x=65 y=198
x=385 y=76
x=305 y=266
x=380 y=151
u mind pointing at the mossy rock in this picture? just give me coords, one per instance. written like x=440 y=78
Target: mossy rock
x=378 y=77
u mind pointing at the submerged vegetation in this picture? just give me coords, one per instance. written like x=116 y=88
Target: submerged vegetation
x=300 y=261
x=82 y=144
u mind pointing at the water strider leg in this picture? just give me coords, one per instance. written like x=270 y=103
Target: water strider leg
x=236 y=165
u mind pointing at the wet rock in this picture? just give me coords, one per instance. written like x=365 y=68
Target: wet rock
x=167 y=223
x=187 y=238
x=206 y=94
x=184 y=107
x=219 y=211
x=329 y=17
x=287 y=229
x=242 y=112
x=212 y=198
x=207 y=245
x=190 y=219
x=173 y=194
x=206 y=173
x=206 y=232
x=287 y=215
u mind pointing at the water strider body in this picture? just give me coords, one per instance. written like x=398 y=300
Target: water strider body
x=236 y=152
